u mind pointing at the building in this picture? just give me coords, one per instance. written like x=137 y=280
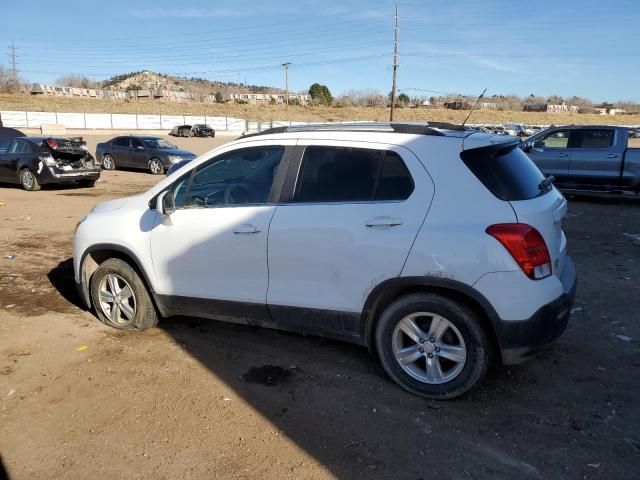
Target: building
x=267 y=98
x=562 y=108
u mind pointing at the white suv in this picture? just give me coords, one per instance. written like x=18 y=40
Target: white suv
x=437 y=247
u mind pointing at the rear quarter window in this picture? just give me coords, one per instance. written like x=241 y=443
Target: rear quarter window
x=506 y=171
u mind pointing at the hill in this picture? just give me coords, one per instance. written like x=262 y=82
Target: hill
x=147 y=80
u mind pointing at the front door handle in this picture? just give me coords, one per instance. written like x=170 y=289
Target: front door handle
x=612 y=155
x=246 y=228
x=383 y=222
x=563 y=155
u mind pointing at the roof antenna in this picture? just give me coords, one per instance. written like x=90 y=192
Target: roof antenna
x=474 y=106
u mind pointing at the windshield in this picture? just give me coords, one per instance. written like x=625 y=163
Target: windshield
x=201 y=125
x=157 y=143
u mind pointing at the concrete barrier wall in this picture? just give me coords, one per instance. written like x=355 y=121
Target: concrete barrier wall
x=120 y=121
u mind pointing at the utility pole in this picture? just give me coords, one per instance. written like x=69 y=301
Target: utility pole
x=395 y=67
x=14 y=71
x=286 y=84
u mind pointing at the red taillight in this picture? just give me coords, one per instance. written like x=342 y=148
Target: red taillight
x=52 y=143
x=526 y=246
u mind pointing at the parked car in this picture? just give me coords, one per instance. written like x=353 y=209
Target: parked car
x=202 y=130
x=587 y=157
x=497 y=130
x=634 y=133
x=181 y=131
x=6 y=132
x=516 y=130
x=35 y=161
x=144 y=152
x=433 y=246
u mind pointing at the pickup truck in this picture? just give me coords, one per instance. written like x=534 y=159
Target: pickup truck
x=595 y=158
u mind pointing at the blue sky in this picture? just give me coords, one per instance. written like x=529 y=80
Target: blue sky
x=571 y=47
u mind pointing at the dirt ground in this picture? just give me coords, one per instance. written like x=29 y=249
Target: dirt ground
x=201 y=399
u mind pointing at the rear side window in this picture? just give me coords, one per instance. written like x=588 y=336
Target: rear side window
x=337 y=174
x=592 y=138
x=121 y=142
x=507 y=172
x=20 y=146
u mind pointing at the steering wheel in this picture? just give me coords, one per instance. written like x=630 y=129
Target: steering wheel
x=241 y=193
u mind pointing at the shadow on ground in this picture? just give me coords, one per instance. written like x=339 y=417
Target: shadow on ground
x=549 y=418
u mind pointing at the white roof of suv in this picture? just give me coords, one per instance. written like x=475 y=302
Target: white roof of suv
x=471 y=137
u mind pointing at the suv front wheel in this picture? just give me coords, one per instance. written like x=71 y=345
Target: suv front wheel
x=432 y=346
x=120 y=298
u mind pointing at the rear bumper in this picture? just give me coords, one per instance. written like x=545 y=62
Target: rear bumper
x=51 y=175
x=522 y=339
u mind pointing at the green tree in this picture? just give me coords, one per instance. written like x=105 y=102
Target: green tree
x=320 y=94
x=403 y=100
x=218 y=97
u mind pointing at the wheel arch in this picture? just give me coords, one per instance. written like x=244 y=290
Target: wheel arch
x=389 y=290
x=95 y=255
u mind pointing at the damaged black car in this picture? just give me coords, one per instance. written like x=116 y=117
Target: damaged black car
x=35 y=161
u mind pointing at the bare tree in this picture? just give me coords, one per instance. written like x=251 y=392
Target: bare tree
x=8 y=84
x=77 y=81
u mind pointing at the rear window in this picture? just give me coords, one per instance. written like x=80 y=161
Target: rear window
x=593 y=138
x=340 y=174
x=507 y=172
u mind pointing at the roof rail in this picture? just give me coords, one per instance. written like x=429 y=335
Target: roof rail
x=415 y=128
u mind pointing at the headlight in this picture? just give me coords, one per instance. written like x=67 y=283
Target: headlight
x=175 y=158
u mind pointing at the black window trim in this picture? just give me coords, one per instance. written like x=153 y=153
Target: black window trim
x=293 y=176
x=275 y=192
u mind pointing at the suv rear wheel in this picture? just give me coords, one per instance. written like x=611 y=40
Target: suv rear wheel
x=120 y=298
x=432 y=346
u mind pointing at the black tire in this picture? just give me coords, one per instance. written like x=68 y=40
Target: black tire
x=87 y=183
x=156 y=167
x=29 y=181
x=108 y=163
x=145 y=312
x=464 y=319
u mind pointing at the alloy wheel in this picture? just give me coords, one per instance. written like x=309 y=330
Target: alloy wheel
x=27 y=180
x=429 y=348
x=117 y=300
x=155 y=166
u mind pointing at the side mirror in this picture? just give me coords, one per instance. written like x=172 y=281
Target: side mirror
x=165 y=206
x=539 y=144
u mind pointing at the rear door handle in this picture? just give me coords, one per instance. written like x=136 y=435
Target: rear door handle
x=612 y=155
x=383 y=222
x=563 y=155
x=247 y=228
